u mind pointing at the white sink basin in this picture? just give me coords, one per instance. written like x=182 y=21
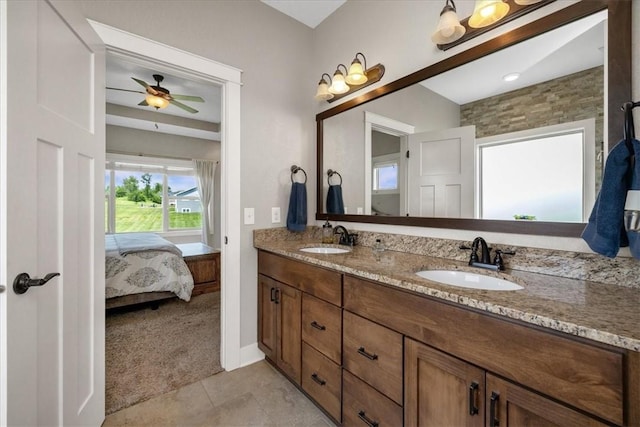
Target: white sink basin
x=325 y=250
x=465 y=279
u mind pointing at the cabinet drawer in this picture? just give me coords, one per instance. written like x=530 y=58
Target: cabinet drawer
x=317 y=281
x=589 y=377
x=373 y=353
x=322 y=380
x=322 y=326
x=362 y=403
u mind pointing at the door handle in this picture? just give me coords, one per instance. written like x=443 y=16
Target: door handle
x=2 y=288
x=23 y=282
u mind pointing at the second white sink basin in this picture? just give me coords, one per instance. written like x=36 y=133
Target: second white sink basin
x=325 y=250
x=465 y=279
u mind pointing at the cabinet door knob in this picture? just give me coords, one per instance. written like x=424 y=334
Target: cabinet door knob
x=473 y=393
x=368 y=421
x=493 y=422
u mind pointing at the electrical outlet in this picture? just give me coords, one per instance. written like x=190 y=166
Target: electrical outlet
x=275 y=215
x=360 y=210
x=249 y=216
x=346 y=210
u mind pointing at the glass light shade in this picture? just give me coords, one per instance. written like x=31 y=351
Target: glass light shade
x=156 y=101
x=338 y=85
x=323 y=93
x=448 y=29
x=356 y=74
x=527 y=2
x=487 y=12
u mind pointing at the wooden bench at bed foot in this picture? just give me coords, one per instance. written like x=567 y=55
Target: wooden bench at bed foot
x=204 y=264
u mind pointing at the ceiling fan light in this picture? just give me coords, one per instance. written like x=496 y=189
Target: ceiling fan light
x=338 y=84
x=449 y=28
x=156 y=101
x=487 y=12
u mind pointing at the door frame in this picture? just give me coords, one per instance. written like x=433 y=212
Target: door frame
x=230 y=78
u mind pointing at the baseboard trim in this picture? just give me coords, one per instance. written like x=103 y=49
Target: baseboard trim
x=250 y=354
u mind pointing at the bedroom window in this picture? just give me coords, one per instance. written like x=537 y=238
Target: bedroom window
x=150 y=194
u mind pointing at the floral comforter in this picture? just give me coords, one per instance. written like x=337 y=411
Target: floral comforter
x=156 y=266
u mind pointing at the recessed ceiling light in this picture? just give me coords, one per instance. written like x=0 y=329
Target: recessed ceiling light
x=511 y=77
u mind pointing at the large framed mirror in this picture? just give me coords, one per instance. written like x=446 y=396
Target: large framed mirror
x=489 y=153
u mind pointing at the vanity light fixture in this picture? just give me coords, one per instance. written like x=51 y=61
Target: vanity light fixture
x=348 y=81
x=487 y=12
x=449 y=28
x=156 y=101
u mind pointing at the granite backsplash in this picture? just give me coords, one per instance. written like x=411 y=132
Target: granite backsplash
x=620 y=271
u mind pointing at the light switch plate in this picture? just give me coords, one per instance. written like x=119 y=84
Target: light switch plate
x=275 y=215
x=249 y=216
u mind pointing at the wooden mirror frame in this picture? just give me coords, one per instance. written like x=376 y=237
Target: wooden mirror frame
x=618 y=90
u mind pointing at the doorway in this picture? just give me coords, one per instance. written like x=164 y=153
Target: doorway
x=229 y=78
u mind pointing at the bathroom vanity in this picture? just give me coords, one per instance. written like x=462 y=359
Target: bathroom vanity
x=371 y=343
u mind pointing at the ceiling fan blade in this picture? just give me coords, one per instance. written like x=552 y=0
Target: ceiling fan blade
x=146 y=86
x=125 y=90
x=184 y=107
x=187 y=98
x=143 y=103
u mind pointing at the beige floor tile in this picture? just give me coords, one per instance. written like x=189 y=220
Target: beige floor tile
x=256 y=395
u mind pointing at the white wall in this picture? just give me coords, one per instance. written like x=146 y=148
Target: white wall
x=277 y=122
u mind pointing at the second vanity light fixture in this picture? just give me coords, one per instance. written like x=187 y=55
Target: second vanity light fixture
x=349 y=81
x=487 y=14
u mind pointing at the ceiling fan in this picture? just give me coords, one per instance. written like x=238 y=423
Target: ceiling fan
x=160 y=97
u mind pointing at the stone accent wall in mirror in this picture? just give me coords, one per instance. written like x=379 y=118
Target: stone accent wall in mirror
x=482 y=152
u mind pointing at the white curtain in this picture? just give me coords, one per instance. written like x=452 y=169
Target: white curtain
x=205 y=171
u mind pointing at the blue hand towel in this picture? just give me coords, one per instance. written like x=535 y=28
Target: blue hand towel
x=335 y=204
x=297 y=213
x=605 y=232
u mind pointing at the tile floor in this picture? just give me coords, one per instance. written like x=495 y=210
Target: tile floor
x=256 y=395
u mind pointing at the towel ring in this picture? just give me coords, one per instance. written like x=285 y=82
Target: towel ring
x=330 y=173
x=295 y=169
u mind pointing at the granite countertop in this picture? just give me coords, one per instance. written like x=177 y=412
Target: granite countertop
x=605 y=313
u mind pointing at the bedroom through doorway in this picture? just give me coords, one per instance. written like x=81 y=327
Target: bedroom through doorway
x=150 y=166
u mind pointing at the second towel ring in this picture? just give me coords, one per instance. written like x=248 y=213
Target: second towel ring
x=330 y=173
x=294 y=170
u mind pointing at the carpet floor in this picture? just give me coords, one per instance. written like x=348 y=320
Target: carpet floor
x=150 y=352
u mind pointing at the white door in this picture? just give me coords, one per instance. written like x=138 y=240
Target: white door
x=440 y=173
x=51 y=215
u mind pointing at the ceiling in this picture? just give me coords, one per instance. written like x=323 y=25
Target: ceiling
x=309 y=12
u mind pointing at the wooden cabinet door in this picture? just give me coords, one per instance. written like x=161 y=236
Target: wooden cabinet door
x=289 y=332
x=267 y=316
x=511 y=405
x=441 y=390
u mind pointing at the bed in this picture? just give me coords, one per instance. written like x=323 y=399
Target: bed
x=144 y=267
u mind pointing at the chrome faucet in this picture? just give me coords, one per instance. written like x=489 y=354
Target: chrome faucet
x=484 y=259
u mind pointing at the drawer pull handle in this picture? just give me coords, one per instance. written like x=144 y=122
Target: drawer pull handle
x=473 y=393
x=318 y=326
x=367 y=420
x=369 y=356
x=493 y=422
x=273 y=294
x=317 y=379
